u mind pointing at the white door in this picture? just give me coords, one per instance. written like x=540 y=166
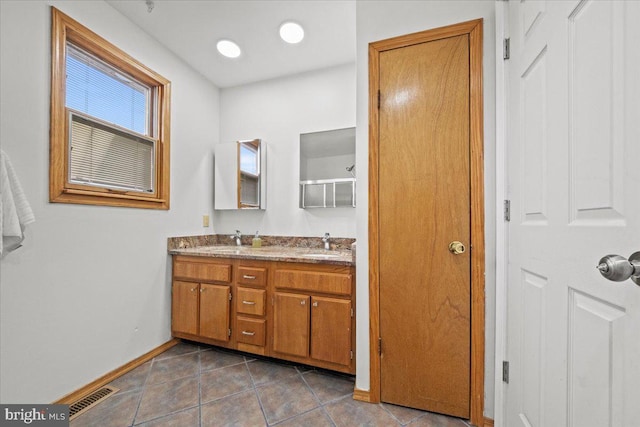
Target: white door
x=573 y=143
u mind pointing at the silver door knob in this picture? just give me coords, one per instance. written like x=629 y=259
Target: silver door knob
x=619 y=269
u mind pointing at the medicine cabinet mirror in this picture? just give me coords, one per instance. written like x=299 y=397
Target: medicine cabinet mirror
x=327 y=169
x=240 y=175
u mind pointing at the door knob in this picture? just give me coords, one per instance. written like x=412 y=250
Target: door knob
x=456 y=247
x=618 y=269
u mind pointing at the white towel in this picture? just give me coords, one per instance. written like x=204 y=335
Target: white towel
x=15 y=212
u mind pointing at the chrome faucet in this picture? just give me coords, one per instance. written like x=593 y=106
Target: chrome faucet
x=325 y=239
x=237 y=237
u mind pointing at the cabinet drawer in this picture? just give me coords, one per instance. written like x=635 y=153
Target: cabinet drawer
x=251 y=331
x=202 y=271
x=252 y=276
x=251 y=301
x=314 y=281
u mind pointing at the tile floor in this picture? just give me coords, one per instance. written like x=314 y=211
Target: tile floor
x=200 y=386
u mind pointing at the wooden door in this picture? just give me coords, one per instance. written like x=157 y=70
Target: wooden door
x=574 y=176
x=184 y=307
x=214 y=311
x=424 y=205
x=331 y=330
x=291 y=324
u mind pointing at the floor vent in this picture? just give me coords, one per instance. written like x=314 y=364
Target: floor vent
x=91 y=400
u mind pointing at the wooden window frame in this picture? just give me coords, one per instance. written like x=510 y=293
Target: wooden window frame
x=65 y=29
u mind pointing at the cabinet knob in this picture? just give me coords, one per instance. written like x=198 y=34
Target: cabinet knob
x=193 y=289
x=315 y=303
x=201 y=290
x=303 y=302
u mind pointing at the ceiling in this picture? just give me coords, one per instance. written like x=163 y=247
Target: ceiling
x=191 y=30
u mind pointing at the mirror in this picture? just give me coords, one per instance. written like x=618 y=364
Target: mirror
x=240 y=175
x=327 y=169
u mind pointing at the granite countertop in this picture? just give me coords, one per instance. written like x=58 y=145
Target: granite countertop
x=271 y=253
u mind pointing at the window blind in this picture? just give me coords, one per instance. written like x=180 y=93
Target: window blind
x=249 y=190
x=105 y=156
x=99 y=90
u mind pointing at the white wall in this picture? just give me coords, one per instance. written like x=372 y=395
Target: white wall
x=327 y=167
x=378 y=20
x=278 y=111
x=90 y=289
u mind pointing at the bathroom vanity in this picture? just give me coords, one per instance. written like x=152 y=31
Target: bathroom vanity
x=289 y=303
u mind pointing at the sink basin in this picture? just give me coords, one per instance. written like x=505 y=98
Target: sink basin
x=226 y=251
x=321 y=255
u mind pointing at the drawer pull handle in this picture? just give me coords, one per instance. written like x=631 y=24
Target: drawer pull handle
x=249 y=302
x=246 y=276
x=248 y=333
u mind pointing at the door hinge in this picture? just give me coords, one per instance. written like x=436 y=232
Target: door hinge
x=378 y=100
x=229 y=332
x=351 y=354
x=507 y=210
x=230 y=296
x=505 y=371
x=506 y=48
x=352 y=312
x=380 y=346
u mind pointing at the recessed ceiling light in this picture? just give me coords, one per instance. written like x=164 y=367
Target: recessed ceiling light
x=291 y=32
x=228 y=48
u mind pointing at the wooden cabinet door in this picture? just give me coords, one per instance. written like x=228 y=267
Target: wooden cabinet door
x=214 y=311
x=291 y=324
x=331 y=330
x=184 y=307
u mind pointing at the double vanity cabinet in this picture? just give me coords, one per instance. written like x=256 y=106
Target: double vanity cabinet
x=292 y=310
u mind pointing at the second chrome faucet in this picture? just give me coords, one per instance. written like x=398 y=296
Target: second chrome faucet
x=325 y=240
x=237 y=237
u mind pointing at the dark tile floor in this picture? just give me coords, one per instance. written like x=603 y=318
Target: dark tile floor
x=200 y=386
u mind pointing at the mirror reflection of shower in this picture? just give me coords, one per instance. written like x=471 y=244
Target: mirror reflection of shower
x=328 y=168
x=351 y=169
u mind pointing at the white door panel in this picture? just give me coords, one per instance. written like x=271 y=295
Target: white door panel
x=573 y=155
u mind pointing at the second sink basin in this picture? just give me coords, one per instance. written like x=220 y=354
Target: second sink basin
x=320 y=255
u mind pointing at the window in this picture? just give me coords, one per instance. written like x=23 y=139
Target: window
x=109 y=123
